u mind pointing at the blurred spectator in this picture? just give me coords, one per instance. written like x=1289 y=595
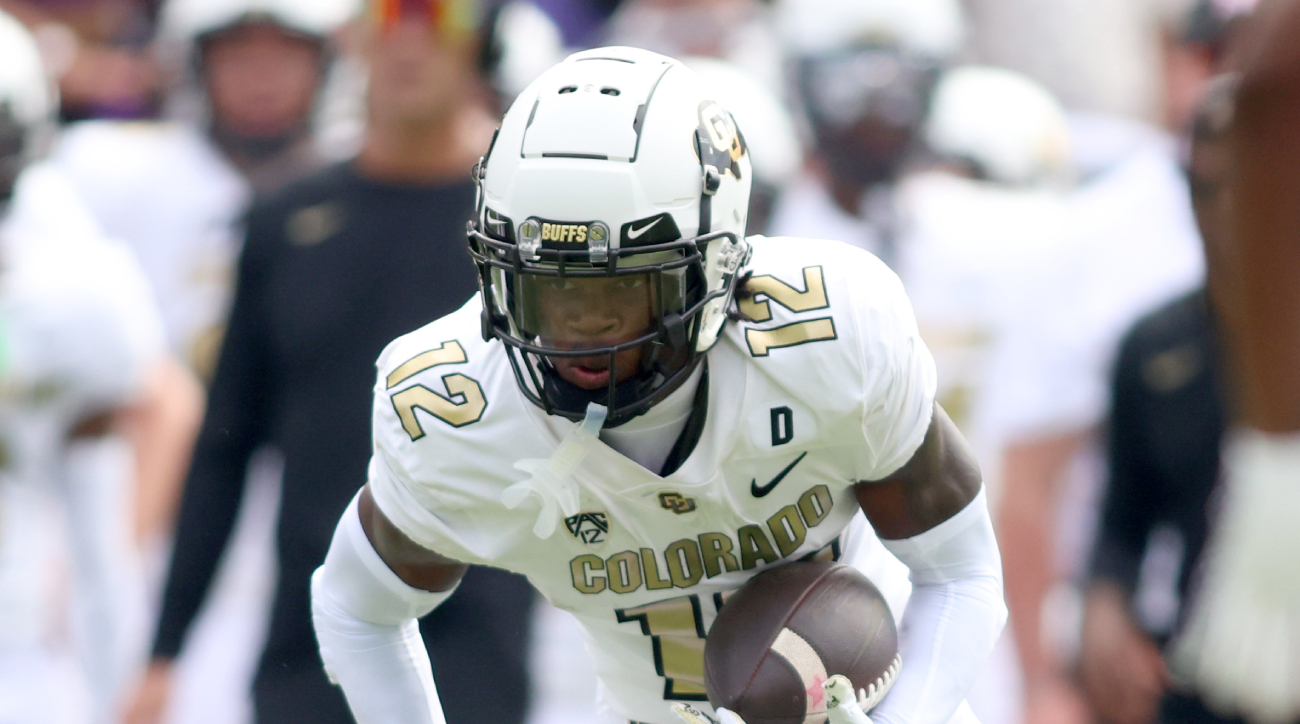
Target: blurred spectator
x=1166 y=424
x=99 y=51
x=333 y=268
x=86 y=388
x=863 y=73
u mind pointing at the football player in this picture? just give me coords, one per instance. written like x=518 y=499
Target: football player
x=83 y=370
x=864 y=74
x=644 y=408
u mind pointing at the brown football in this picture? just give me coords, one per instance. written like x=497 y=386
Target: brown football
x=786 y=631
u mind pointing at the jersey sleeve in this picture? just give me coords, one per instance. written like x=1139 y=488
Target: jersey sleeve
x=898 y=372
x=426 y=482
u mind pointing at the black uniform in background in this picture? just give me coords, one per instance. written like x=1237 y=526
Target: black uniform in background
x=1167 y=421
x=334 y=268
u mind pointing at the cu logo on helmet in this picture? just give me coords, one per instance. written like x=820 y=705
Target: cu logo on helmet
x=725 y=145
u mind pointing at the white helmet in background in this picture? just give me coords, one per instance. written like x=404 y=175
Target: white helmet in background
x=1007 y=127
x=185 y=22
x=616 y=162
x=27 y=101
x=931 y=28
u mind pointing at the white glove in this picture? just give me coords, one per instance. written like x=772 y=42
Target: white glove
x=842 y=706
x=1241 y=646
x=691 y=715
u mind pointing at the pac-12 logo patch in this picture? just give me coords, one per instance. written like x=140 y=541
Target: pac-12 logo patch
x=590 y=527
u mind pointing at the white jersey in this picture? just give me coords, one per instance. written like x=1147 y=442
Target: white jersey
x=967 y=250
x=1132 y=245
x=831 y=384
x=78 y=331
x=167 y=192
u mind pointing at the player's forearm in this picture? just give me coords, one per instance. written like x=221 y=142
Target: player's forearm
x=162 y=429
x=953 y=619
x=1028 y=507
x=365 y=621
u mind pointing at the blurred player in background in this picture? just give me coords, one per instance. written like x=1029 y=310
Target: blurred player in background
x=84 y=369
x=248 y=76
x=1166 y=425
x=1131 y=244
x=245 y=79
x=863 y=74
x=769 y=129
x=333 y=267
x=1241 y=645
x=974 y=231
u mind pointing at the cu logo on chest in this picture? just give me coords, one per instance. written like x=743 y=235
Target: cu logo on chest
x=590 y=527
x=676 y=502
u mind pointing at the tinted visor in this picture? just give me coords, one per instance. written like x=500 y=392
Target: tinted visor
x=572 y=312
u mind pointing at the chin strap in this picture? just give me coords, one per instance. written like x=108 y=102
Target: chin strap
x=551 y=479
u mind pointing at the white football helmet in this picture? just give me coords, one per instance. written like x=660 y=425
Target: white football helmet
x=27 y=101
x=614 y=163
x=186 y=21
x=1008 y=127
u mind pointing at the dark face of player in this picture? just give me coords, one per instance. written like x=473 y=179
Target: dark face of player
x=866 y=106
x=588 y=313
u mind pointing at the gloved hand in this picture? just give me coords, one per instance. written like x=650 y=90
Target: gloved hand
x=691 y=715
x=842 y=707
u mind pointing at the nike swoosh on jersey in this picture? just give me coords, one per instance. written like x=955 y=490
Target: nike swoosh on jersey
x=764 y=490
x=636 y=233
